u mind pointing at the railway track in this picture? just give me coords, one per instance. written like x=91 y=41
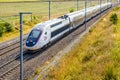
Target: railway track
x=9 y=52
x=6 y=69
x=10 y=45
x=14 y=64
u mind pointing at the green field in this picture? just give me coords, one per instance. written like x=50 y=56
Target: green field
x=9 y=9
x=37 y=8
x=15 y=0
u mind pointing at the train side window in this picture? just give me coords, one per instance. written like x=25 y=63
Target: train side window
x=45 y=33
x=54 y=25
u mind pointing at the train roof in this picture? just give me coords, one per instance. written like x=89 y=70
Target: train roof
x=60 y=19
x=88 y=9
x=49 y=22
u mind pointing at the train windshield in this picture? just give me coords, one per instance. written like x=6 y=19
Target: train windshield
x=33 y=37
x=35 y=34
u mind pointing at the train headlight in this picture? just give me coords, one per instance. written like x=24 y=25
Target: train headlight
x=33 y=42
x=27 y=41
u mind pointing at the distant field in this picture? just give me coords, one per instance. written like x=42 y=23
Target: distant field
x=40 y=8
x=15 y=0
x=9 y=9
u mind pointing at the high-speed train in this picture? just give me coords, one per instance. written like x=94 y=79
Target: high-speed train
x=47 y=32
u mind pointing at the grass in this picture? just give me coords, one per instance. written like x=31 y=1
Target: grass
x=9 y=12
x=40 y=8
x=95 y=57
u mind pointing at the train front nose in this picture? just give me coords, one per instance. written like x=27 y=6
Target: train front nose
x=33 y=39
x=30 y=43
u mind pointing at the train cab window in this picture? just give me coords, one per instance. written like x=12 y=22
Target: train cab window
x=35 y=34
x=33 y=37
x=45 y=33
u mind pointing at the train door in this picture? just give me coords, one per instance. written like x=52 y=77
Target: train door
x=71 y=23
x=47 y=35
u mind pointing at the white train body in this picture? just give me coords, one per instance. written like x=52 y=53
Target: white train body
x=49 y=31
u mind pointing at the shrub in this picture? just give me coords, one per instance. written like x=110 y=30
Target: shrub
x=116 y=8
x=5 y=27
x=109 y=74
x=91 y=30
x=2 y=30
x=114 y=18
x=71 y=10
x=87 y=57
x=8 y=27
x=34 y=17
x=24 y=22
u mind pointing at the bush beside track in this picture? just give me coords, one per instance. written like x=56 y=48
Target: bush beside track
x=5 y=27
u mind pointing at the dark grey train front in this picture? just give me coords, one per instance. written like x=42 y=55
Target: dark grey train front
x=33 y=37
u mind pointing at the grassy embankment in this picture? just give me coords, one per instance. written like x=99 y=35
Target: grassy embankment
x=95 y=57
